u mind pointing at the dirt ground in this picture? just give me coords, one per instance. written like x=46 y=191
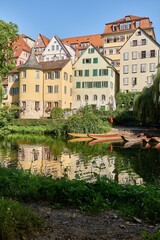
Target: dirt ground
x=73 y=225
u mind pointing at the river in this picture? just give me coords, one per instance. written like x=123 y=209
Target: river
x=59 y=157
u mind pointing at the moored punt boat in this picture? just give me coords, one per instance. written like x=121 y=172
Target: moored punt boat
x=80 y=139
x=157 y=145
x=78 y=135
x=102 y=136
x=113 y=139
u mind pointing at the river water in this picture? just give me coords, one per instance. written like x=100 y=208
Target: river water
x=59 y=157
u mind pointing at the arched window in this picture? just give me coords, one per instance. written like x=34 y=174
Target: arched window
x=95 y=97
x=78 y=98
x=86 y=98
x=103 y=97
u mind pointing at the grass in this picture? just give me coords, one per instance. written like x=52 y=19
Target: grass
x=19 y=186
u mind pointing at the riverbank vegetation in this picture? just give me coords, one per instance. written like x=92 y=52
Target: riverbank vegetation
x=21 y=187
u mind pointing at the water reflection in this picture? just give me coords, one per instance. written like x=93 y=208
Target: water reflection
x=79 y=160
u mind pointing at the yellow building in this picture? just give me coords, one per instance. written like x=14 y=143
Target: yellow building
x=39 y=87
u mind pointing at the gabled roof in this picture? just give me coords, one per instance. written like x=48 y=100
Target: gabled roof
x=104 y=58
x=19 y=46
x=95 y=39
x=59 y=64
x=132 y=18
x=45 y=39
x=146 y=34
x=62 y=45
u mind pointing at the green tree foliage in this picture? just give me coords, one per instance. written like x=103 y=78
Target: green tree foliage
x=147 y=103
x=125 y=100
x=85 y=121
x=7 y=114
x=8 y=36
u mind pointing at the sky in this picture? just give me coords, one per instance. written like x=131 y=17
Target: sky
x=71 y=18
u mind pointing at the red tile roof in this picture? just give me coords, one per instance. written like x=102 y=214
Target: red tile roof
x=19 y=46
x=95 y=39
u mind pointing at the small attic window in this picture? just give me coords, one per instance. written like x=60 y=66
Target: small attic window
x=127 y=18
x=114 y=27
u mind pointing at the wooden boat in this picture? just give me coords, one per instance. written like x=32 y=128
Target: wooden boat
x=132 y=144
x=96 y=141
x=102 y=136
x=157 y=145
x=78 y=135
x=80 y=139
x=145 y=139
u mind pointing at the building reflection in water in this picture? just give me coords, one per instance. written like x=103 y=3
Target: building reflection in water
x=38 y=159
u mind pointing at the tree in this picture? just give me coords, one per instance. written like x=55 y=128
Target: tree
x=8 y=36
x=147 y=103
x=125 y=100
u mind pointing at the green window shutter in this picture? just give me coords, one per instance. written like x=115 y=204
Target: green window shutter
x=75 y=73
x=90 y=84
x=82 y=84
x=86 y=73
x=100 y=72
x=83 y=60
x=107 y=84
x=106 y=72
x=78 y=85
x=95 y=60
x=94 y=72
x=99 y=84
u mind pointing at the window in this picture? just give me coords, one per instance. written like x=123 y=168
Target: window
x=65 y=90
x=87 y=85
x=143 y=42
x=137 y=24
x=125 y=69
x=134 y=81
x=86 y=73
x=95 y=72
x=152 y=67
x=104 y=84
x=114 y=28
x=121 y=38
x=125 y=56
x=86 y=98
x=37 y=106
x=134 y=43
x=49 y=75
x=56 y=89
x=65 y=76
x=125 y=81
x=125 y=26
x=24 y=74
x=103 y=72
x=24 y=88
x=52 y=47
x=57 y=47
x=152 y=53
x=91 y=50
x=57 y=74
x=95 y=97
x=149 y=80
x=143 y=67
x=49 y=89
x=23 y=105
x=134 y=55
x=103 y=97
x=86 y=60
x=78 y=98
x=78 y=73
x=78 y=85
x=143 y=54
x=37 y=88
x=95 y=60
x=37 y=74
x=134 y=68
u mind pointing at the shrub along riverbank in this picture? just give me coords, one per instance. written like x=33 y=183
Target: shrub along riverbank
x=131 y=201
